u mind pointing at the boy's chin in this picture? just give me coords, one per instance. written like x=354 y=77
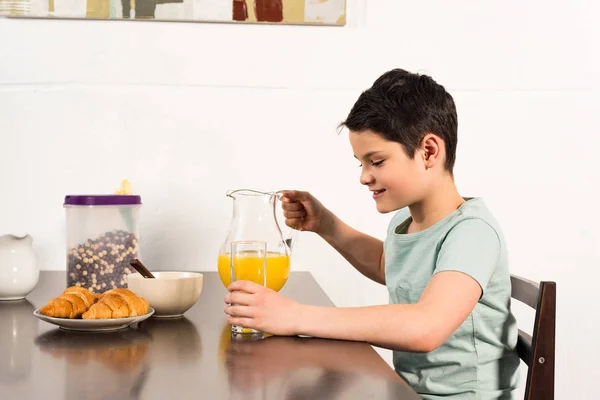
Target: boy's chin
x=385 y=207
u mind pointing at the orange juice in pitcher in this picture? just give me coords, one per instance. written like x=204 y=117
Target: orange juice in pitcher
x=278 y=269
x=255 y=218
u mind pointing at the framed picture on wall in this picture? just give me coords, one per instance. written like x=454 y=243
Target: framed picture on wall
x=304 y=12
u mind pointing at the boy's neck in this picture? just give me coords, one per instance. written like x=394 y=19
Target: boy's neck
x=443 y=200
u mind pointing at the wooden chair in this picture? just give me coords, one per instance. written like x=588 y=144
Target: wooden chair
x=537 y=351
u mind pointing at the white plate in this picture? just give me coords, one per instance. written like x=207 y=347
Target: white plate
x=94 y=325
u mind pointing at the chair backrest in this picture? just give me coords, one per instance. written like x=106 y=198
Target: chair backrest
x=537 y=351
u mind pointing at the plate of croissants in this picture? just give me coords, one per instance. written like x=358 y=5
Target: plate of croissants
x=78 y=309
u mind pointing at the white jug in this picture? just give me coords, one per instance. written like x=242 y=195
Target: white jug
x=19 y=272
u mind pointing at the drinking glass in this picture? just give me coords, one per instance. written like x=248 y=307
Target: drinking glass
x=248 y=263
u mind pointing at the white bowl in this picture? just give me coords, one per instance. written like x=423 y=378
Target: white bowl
x=171 y=293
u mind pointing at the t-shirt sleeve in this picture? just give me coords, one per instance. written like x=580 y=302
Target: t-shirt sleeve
x=473 y=247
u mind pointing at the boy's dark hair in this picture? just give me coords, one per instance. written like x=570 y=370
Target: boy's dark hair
x=403 y=107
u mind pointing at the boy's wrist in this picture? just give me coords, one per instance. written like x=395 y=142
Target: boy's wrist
x=328 y=226
x=303 y=321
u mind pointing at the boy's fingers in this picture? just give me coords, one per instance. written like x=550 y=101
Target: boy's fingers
x=239 y=298
x=292 y=206
x=244 y=286
x=293 y=195
x=239 y=311
x=295 y=223
x=294 y=214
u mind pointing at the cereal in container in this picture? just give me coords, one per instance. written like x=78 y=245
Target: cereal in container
x=103 y=237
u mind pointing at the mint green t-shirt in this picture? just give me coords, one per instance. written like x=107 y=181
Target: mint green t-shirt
x=479 y=360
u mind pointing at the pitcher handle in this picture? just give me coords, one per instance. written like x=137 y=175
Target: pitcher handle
x=292 y=238
x=230 y=193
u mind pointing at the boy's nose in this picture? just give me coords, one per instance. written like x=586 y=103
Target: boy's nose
x=366 y=178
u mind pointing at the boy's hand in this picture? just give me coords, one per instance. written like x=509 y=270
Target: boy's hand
x=304 y=212
x=254 y=306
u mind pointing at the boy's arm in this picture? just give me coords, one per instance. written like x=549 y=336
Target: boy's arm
x=446 y=302
x=466 y=261
x=364 y=252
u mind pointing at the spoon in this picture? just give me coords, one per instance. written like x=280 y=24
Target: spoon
x=139 y=267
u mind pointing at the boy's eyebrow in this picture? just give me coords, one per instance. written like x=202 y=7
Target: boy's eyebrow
x=369 y=154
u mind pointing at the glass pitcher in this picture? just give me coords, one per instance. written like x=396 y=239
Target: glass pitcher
x=255 y=218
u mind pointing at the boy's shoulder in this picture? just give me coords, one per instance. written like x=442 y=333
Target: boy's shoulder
x=474 y=208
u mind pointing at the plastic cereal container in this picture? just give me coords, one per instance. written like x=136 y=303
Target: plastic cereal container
x=103 y=236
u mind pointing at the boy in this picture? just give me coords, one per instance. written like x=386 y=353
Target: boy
x=444 y=260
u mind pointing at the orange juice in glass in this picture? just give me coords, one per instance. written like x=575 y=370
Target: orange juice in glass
x=248 y=262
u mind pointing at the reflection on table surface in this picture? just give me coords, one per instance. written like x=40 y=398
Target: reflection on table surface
x=17 y=326
x=99 y=365
x=102 y=365
x=306 y=368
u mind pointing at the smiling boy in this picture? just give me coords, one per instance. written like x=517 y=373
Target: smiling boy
x=444 y=260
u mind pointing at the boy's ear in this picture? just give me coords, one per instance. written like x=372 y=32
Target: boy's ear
x=432 y=150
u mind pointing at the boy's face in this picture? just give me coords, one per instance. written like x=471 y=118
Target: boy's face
x=395 y=180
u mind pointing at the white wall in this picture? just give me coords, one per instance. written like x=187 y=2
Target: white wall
x=187 y=111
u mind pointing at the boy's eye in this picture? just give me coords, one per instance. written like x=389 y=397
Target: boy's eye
x=374 y=163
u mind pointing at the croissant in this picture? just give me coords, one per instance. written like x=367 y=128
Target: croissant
x=137 y=305
x=72 y=303
x=88 y=297
x=117 y=303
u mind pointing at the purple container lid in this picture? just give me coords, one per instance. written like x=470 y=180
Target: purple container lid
x=102 y=200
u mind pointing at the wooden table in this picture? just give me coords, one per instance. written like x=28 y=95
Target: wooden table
x=187 y=358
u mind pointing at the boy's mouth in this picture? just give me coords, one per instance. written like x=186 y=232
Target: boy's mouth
x=378 y=193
